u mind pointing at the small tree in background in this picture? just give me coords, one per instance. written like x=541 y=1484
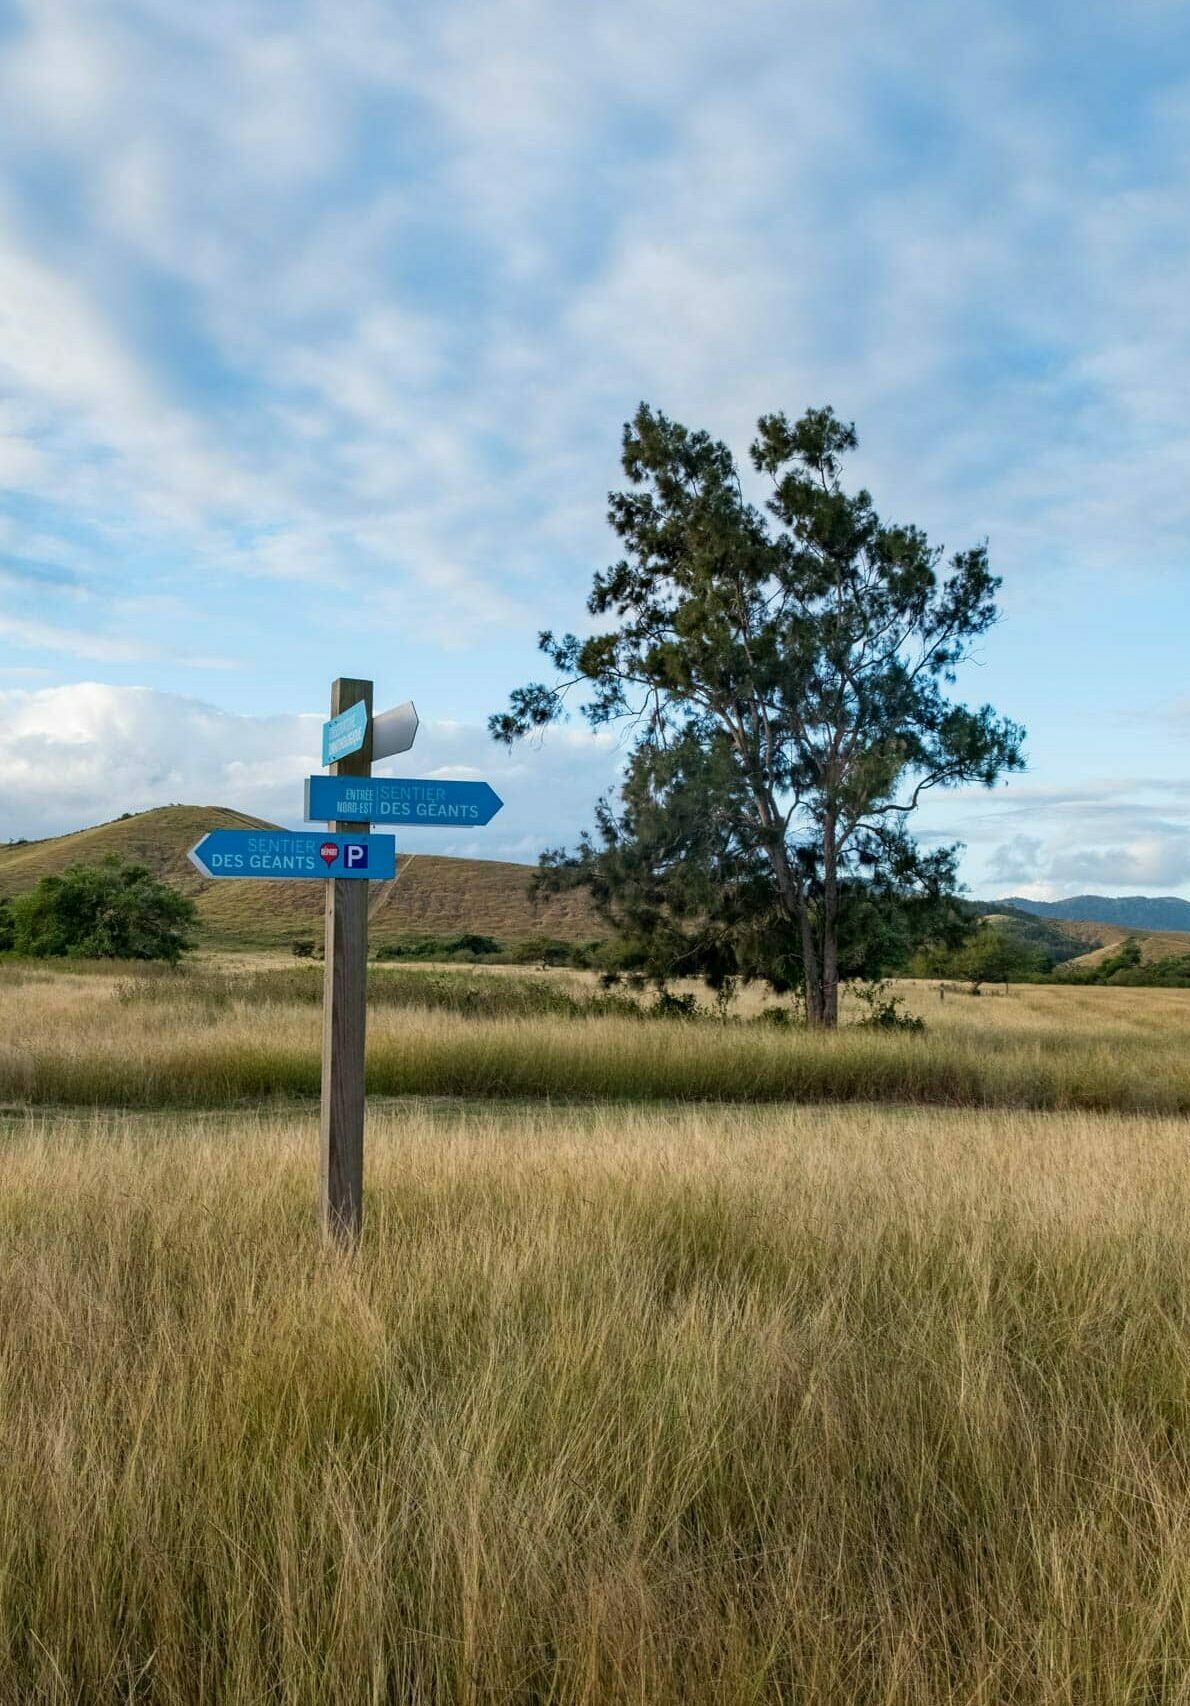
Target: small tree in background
x=787 y=689
x=994 y=955
x=112 y=910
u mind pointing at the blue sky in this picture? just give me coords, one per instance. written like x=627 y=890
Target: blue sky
x=318 y=324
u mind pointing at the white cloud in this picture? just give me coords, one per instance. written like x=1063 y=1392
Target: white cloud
x=1146 y=861
x=1016 y=861
x=1108 y=833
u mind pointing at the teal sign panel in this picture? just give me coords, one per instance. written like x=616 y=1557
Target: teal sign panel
x=345 y=733
x=400 y=799
x=290 y=856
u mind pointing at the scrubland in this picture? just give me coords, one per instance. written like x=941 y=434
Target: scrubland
x=635 y=1400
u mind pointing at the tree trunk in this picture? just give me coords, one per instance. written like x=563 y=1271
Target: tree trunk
x=796 y=907
x=830 y=925
x=815 y=1016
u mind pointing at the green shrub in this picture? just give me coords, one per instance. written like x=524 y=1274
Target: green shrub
x=109 y=911
x=540 y=951
x=465 y=946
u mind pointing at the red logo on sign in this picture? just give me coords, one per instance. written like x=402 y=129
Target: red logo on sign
x=329 y=851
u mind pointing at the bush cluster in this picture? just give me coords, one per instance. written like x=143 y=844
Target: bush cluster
x=108 y=911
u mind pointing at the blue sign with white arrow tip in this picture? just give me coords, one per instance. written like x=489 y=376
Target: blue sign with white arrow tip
x=400 y=799
x=345 y=733
x=292 y=855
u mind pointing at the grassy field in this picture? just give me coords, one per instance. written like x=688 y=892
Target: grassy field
x=210 y=1040
x=659 y=1405
x=627 y=1396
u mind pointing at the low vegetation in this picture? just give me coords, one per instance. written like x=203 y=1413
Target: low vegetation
x=1126 y=967
x=204 y=1040
x=112 y=910
x=1001 y=950
x=612 y=1406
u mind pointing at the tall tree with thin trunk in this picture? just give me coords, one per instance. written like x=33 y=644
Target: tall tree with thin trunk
x=786 y=680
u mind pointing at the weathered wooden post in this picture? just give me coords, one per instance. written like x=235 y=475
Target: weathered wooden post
x=345 y=1007
x=347 y=859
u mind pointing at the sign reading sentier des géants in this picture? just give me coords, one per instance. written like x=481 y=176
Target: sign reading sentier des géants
x=294 y=855
x=399 y=799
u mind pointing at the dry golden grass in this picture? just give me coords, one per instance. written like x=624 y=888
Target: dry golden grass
x=177 y=1041
x=647 y=1406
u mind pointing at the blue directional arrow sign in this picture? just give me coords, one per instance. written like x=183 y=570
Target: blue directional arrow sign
x=345 y=733
x=293 y=855
x=400 y=799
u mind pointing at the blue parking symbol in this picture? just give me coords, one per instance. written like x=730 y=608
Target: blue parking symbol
x=355 y=856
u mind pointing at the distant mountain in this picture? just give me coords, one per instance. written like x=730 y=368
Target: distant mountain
x=1130 y=912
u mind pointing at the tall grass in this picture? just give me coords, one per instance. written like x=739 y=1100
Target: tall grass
x=209 y=1042
x=639 y=1405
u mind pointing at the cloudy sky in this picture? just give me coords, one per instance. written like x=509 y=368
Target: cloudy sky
x=319 y=321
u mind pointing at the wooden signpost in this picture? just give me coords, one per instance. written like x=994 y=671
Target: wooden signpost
x=345 y=1007
x=345 y=859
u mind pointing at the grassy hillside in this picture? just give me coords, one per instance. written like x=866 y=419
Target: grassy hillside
x=430 y=894
x=1154 y=944
x=1078 y=943
x=1056 y=940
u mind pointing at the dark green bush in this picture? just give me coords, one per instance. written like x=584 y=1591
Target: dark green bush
x=467 y=945
x=109 y=911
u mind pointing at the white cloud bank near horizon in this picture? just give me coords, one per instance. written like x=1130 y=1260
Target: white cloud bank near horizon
x=79 y=755
x=72 y=756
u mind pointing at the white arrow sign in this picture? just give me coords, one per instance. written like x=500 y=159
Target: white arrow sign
x=393 y=731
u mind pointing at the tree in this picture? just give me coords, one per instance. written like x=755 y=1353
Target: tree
x=111 y=910
x=995 y=955
x=6 y=926
x=786 y=685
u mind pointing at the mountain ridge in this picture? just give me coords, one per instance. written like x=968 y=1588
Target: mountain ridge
x=1130 y=912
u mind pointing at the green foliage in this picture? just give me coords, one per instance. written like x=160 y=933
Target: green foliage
x=464 y=945
x=886 y=1011
x=990 y=953
x=112 y=910
x=1055 y=945
x=7 y=927
x=303 y=948
x=787 y=685
x=1171 y=972
x=541 y=951
x=1125 y=968
x=1126 y=958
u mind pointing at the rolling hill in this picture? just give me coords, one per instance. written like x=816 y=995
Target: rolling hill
x=431 y=894
x=1080 y=943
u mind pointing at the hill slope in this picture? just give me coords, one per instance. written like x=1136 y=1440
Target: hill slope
x=431 y=894
x=1130 y=912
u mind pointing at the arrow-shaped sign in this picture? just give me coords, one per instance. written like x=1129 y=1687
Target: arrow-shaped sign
x=400 y=799
x=393 y=731
x=293 y=855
